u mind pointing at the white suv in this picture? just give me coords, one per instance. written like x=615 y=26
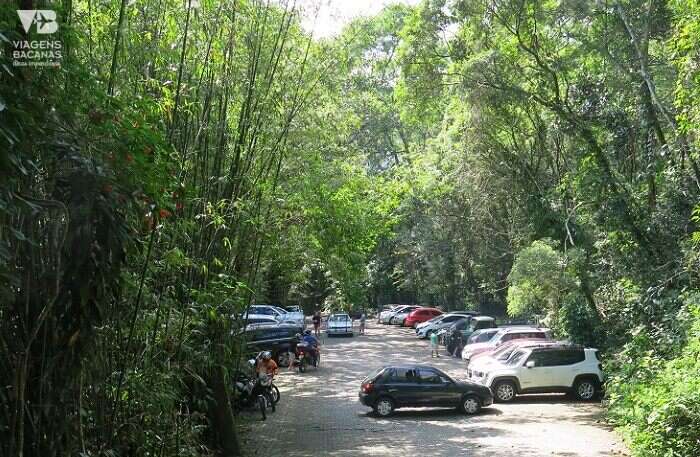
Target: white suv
x=555 y=368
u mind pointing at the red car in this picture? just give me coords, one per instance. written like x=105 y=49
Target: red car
x=421 y=315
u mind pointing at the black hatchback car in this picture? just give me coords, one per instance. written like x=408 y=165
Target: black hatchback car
x=391 y=387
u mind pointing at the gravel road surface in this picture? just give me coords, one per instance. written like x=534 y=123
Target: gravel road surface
x=320 y=415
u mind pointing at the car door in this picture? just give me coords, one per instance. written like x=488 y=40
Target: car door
x=540 y=375
x=403 y=386
x=436 y=389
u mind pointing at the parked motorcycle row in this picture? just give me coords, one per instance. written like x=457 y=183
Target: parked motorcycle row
x=254 y=389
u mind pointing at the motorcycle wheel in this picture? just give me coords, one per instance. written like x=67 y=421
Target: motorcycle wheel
x=302 y=365
x=271 y=401
x=317 y=360
x=275 y=394
x=262 y=404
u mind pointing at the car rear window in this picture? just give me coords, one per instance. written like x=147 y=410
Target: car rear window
x=570 y=356
x=374 y=374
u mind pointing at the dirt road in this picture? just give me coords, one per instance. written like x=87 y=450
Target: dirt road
x=320 y=415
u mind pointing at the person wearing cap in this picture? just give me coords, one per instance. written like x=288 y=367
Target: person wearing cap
x=266 y=365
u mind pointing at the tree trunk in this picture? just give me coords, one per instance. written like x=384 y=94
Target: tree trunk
x=221 y=416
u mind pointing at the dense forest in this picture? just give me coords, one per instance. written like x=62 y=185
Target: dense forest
x=186 y=158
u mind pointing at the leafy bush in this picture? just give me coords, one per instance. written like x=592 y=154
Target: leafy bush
x=655 y=400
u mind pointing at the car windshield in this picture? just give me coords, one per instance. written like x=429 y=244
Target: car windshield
x=339 y=317
x=481 y=336
x=516 y=357
x=504 y=353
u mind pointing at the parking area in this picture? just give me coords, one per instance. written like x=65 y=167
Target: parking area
x=319 y=413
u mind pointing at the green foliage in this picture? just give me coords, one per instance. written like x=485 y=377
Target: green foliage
x=538 y=280
x=537 y=159
x=655 y=391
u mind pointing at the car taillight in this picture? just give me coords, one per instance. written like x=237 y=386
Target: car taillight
x=367 y=387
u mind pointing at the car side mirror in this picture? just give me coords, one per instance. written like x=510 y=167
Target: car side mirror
x=530 y=364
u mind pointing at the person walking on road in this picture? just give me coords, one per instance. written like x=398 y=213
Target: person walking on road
x=434 y=345
x=317 y=323
x=363 y=318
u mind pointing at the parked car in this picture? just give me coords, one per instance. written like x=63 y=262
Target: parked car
x=279 y=339
x=419 y=315
x=293 y=314
x=480 y=361
x=276 y=312
x=425 y=329
x=434 y=320
x=295 y=311
x=555 y=368
x=392 y=387
x=385 y=311
x=456 y=337
x=255 y=319
x=400 y=315
x=339 y=324
x=385 y=316
x=503 y=336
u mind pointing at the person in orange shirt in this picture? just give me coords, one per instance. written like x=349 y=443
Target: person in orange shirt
x=266 y=365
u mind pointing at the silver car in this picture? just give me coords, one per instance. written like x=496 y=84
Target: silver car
x=339 y=324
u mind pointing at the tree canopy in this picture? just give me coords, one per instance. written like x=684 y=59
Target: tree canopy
x=186 y=159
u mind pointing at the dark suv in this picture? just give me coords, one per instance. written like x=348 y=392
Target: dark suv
x=278 y=339
x=392 y=387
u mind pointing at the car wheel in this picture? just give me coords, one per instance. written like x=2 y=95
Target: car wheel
x=471 y=404
x=585 y=389
x=384 y=407
x=504 y=391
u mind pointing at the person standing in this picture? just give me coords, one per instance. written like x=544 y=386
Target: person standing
x=317 y=323
x=363 y=318
x=434 y=345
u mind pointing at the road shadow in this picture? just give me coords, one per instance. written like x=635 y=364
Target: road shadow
x=319 y=412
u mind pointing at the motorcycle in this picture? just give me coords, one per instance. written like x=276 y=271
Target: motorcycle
x=305 y=356
x=257 y=391
x=245 y=395
x=265 y=384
